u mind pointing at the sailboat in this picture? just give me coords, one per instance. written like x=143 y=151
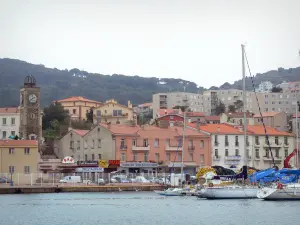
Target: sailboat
x=234 y=191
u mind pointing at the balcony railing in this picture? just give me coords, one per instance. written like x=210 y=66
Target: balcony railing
x=273 y=145
x=217 y=158
x=123 y=147
x=141 y=148
x=173 y=148
x=234 y=157
x=191 y=148
x=257 y=143
x=216 y=143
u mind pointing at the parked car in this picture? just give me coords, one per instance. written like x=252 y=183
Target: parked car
x=141 y=179
x=101 y=181
x=4 y=180
x=71 y=179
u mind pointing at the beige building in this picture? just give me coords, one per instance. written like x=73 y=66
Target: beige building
x=78 y=106
x=276 y=120
x=18 y=160
x=9 y=122
x=115 y=113
x=83 y=145
x=236 y=118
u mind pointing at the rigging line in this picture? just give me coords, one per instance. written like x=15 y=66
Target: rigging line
x=178 y=145
x=262 y=119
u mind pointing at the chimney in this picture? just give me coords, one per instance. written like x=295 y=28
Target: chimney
x=166 y=112
x=129 y=104
x=218 y=129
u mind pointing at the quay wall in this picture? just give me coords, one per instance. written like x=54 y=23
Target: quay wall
x=60 y=189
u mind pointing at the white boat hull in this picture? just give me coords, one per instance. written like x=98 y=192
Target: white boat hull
x=288 y=193
x=229 y=193
x=170 y=192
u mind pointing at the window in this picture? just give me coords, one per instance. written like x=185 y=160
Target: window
x=236 y=141
x=4 y=134
x=98 y=113
x=93 y=143
x=216 y=153
x=122 y=143
x=201 y=144
x=85 y=144
x=237 y=152
x=13 y=133
x=146 y=157
x=247 y=140
x=202 y=158
x=167 y=142
x=85 y=157
x=11 y=151
x=248 y=153
x=191 y=157
x=117 y=112
x=99 y=143
x=190 y=142
x=257 y=153
x=145 y=143
x=26 y=169
x=13 y=121
x=168 y=156
x=11 y=169
x=123 y=156
x=179 y=157
x=285 y=140
x=156 y=143
x=226 y=140
x=133 y=142
x=157 y=157
x=134 y=156
x=71 y=144
x=277 y=153
x=276 y=141
x=78 y=145
x=74 y=111
x=99 y=156
x=26 y=151
x=286 y=152
x=256 y=140
x=4 y=121
x=93 y=157
x=226 y=152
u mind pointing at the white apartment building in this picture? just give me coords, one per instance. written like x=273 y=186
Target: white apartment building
x=9 y=122
x=265 y=86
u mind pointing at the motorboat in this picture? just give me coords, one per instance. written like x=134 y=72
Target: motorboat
x=229 y=192
x=280 y=192
x=171 y=192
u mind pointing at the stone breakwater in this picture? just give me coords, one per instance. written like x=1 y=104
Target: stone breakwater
x=58 y=189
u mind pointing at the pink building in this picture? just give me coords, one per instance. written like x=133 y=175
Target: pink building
x=152 y=148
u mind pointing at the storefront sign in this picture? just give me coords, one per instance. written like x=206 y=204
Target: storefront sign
x=87 y=163
x=102 y=163
x=89 y=169
x=68 y=160
x=114 y=162
x=175 y=164
x=138 y=165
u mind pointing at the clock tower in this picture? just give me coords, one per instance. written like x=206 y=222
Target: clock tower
x=30 y=113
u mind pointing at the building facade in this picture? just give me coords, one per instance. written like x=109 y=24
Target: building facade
x=115 y=113
x=236 y=118
x=18 y=160
x=84 y=145
x=78 y=106
x=159 y=149
x=276 y=120
x=9 y=122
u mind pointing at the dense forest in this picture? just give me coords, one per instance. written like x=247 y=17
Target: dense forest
x=57 y=84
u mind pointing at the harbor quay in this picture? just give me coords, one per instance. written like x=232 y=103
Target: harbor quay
x=6 y=189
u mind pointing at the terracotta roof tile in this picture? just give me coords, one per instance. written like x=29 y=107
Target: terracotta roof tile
x=195 y=114
x=81 y=132
x=239 y=115
x=162 y=112
x=9 y=110
x=218 y=128
x=294 y=116
x=259 y=130
x=212 y=118
x=147 y=104
x=266 y=114
x=17 y=143
x=121 y=129
x=78 y=99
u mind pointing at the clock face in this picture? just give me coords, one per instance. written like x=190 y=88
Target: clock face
x=32 y=98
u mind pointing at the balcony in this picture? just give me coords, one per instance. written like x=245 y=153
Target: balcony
x=141 y=148
x=233 y=158
x=232 y=162
x=269 y=158
x=123 y=147
x=114 y=116
x=216 y=143
x=273 y=145
x=216 y=158
x=191 y=148
x=173 y=148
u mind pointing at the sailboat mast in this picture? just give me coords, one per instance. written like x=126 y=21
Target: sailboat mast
x=244 y=106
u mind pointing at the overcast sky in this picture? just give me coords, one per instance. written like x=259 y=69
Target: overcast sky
x=196 y=40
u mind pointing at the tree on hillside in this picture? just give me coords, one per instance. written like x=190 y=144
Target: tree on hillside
x=220 y=108
x=231 y=108
x=276 y=89
x=52 y=132
x=238 y=104
x=53 y=112
x=183 y=108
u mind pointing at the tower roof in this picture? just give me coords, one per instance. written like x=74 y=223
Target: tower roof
x=29 y=81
